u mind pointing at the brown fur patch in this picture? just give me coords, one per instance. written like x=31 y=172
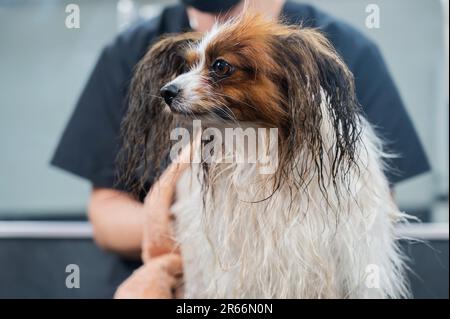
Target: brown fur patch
x=282 y=74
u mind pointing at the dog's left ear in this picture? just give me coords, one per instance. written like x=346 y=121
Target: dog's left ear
x=316 y=80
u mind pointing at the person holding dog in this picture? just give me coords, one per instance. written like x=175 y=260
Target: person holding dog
x=89 y=146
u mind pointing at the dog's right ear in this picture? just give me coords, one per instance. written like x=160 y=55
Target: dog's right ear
x=145 y=127
x=164 y=61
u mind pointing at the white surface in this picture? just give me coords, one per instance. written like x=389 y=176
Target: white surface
x=38 y=229
x=428 y=231
x=25 y=229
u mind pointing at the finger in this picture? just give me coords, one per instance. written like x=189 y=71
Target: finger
x=149 y=281
x=164 y=189
x=172 y=263
x=182 y=161
x=188 y=153
x=159 y=246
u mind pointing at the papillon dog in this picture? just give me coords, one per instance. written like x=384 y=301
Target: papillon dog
x=321 y=224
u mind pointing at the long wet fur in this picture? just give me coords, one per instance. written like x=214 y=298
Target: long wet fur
x=318 y=226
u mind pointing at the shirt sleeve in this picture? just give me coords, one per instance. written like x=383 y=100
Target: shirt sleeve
x=385 y=110
x=90 y=142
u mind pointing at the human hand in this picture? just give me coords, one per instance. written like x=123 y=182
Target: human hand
x=158 y=278
x=158 y=234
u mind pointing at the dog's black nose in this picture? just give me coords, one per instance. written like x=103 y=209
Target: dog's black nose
x=169 y=93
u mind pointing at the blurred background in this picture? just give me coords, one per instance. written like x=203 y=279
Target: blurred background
x=43 y=68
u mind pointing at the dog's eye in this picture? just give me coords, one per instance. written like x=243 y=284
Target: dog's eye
x=222 y=68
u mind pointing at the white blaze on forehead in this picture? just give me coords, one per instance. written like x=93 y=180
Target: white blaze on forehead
x=209 y=37
x=191 y=82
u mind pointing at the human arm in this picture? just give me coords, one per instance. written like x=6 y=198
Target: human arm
x=117 y=220
x=160 y=275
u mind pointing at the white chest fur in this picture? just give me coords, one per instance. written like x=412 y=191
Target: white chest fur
x=291 y=245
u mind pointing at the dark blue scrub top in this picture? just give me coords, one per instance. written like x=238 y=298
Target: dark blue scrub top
x=91 y=139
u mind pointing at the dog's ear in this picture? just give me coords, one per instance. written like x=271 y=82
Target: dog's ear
x=321 y=100
x=164 y=61
x=145 y=127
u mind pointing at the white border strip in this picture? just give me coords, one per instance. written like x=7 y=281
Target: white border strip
x=43 y=229
x=424 y=231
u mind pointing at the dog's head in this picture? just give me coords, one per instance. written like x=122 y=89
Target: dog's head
x=248 y=70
